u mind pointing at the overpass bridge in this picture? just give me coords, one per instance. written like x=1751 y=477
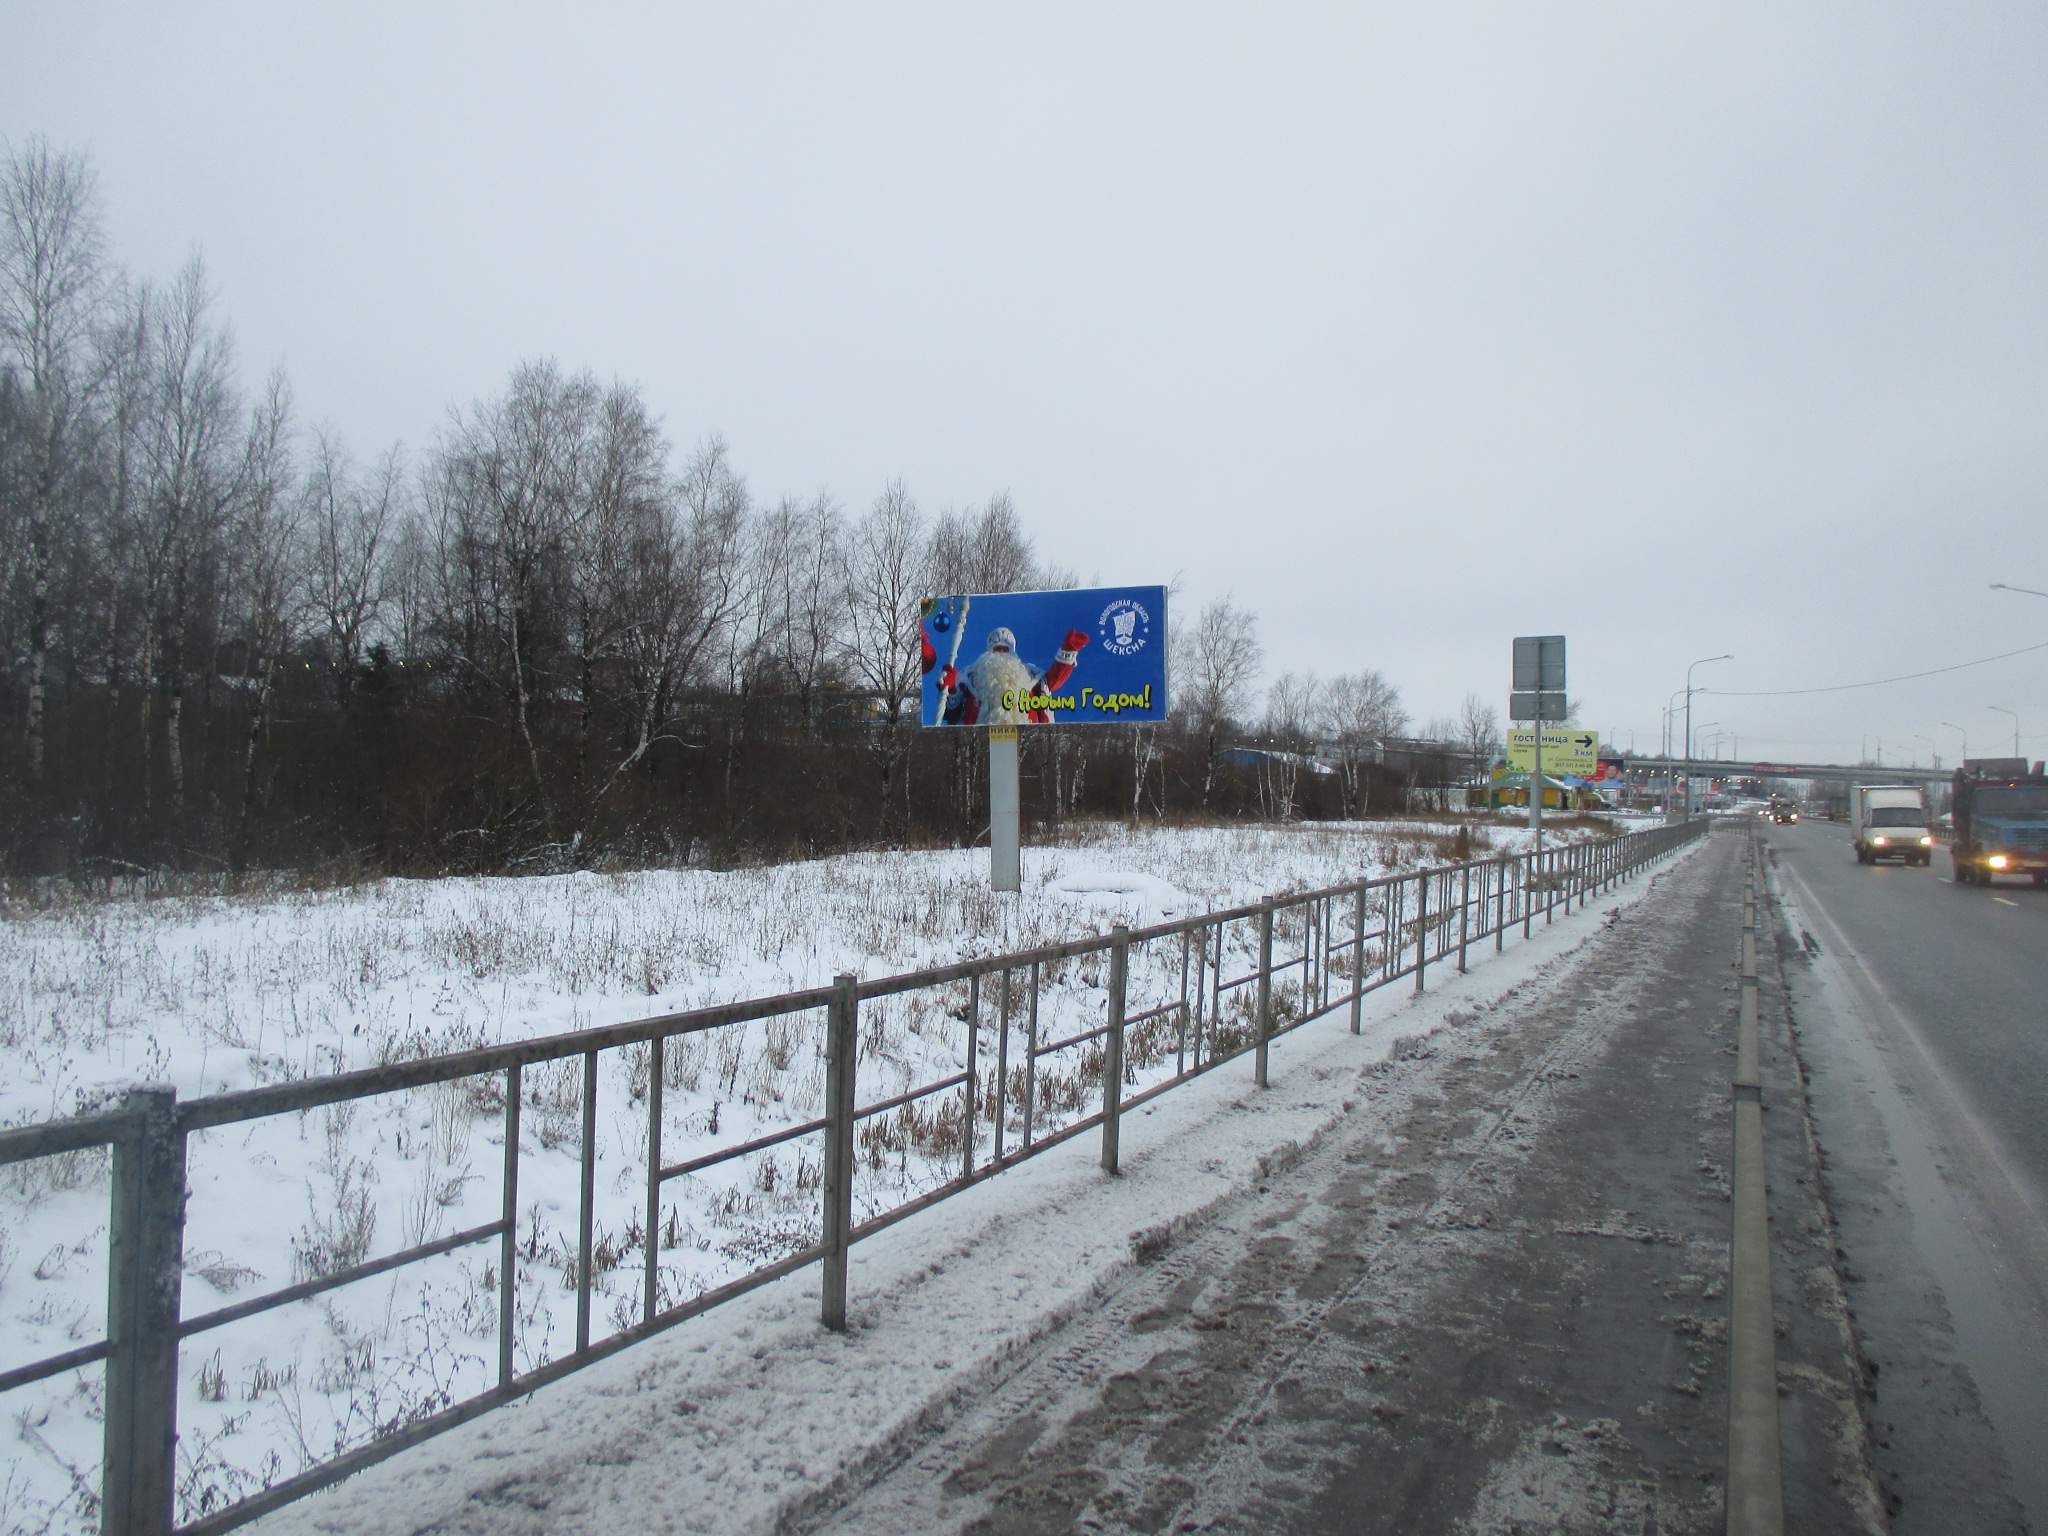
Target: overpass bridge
x=1854 y=773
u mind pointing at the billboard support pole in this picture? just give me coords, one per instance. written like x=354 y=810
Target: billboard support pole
x=1004 y=860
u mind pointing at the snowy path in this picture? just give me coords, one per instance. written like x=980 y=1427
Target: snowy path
x=752 y=1418
x=1489 y=1302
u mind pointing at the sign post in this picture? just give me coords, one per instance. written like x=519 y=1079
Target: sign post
x=1094 y=656
x=1538 y=696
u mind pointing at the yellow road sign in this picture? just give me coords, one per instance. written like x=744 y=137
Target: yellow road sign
x=1566 y=749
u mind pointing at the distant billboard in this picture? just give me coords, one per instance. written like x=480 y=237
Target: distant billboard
x=1092 y=656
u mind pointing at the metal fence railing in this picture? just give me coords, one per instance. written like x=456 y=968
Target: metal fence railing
x=1047 y=1044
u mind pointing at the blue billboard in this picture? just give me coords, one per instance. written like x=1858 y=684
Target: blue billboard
x=1092 y=656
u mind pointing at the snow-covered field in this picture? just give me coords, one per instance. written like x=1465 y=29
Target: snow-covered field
x=214 y=995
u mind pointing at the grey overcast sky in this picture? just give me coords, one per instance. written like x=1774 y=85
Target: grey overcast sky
x=1677 y=329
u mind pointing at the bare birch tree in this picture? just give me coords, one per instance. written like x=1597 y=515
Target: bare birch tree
x=191 y=465
x=52 y=291
x=681 y=590
x=349 y=518
x=1292 y=707
x=1219 y=660
x=984 y=550
x=505 y=482
x=267 y=581
x=1360 y=711
x=888 y=573
x=1479 y=731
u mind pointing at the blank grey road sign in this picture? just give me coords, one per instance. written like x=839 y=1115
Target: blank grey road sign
x=1539 y=665
x=1537 y=706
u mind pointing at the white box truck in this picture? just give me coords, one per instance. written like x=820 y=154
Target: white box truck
x=1889 y=821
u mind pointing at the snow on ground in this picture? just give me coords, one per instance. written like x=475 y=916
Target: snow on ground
x=213 y=995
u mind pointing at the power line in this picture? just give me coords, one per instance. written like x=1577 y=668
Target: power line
x=1876 y=682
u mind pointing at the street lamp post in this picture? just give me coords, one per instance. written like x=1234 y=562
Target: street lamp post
x=1947 y=725
x=1724 y=656
x=1933 y=750
x=1669 y=749
x=2015 y=725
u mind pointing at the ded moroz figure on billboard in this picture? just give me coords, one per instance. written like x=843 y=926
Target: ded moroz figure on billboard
x=998 y=686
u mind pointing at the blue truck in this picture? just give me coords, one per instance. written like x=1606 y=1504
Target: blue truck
x=2000 y=814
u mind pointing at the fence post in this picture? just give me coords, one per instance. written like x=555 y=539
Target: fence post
x=586 y=1209
x=1464 y=914
x=1527 y=883
x=508 y=1240
x=1113 y=1047
x=1031 y=1060
x=967 y=1119
x=146 y=1252
x=842 y=1030
x=650 y=1280
x=1262 y=1026
x=1002 y=1067
x=1358 y=958
x=1421 y=926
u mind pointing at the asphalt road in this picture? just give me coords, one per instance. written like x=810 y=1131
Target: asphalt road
x=1922 y=1016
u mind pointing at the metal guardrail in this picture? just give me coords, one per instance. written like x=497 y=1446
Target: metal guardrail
x=1309 y=955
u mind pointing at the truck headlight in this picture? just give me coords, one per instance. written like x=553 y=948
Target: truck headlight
x=1878 y=841
x=1996 y=861
x=1926 y=842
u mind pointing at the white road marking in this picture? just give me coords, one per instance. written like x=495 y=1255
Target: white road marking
x=2003 y=902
